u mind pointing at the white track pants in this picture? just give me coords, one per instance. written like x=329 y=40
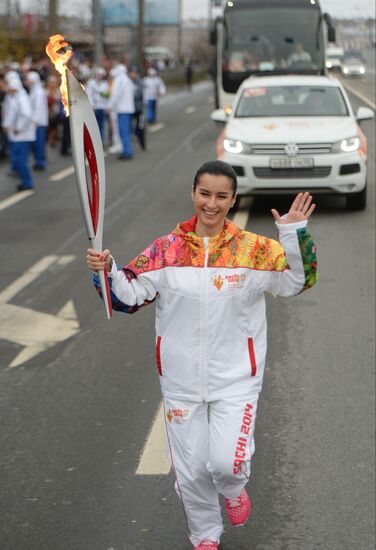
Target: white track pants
x=116 y=145
x=211 y=446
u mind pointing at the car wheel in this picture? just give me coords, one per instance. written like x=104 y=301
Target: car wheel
x=357 y=201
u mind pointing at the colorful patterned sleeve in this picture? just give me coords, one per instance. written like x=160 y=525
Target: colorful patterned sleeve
x=295 y=260
x=308 y=252
x=149 y=261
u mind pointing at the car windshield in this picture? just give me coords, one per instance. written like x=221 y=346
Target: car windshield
x=334 y=56
x=291 y=101
x=354 y=54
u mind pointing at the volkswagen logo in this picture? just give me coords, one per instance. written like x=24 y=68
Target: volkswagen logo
x=291 y=149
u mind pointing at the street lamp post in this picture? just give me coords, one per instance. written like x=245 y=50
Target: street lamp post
x=98 y=35
x=179 y=31
x=52 y=17
x=210 y=14
x=140 y=53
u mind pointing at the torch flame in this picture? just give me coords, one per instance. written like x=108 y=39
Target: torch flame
x=59 y=51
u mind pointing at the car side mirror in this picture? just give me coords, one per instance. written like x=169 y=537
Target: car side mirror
x=364 y=113
x=219 y=115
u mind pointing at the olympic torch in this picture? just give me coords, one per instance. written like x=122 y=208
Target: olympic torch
x=87 y=153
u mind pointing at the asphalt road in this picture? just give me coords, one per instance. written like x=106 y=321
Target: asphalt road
x=75 y=417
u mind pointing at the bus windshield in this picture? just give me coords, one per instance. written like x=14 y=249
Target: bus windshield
x=271 y=39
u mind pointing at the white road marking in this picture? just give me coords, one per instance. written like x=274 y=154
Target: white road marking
x=154 y=460
x=65 y=260
x=358 y=94
x=14 y=199
x=241 y=218
x=68 y=311
x=68 y=171
x=190 y=110
x=242 y=214
x=34 y=330
x=28 y=277
x=156 y=127
x=62 y=174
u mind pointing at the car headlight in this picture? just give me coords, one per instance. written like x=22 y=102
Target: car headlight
x=329 y=64
x=362 y=70
x=346 y=145
x=236 y=146
x=345 y=70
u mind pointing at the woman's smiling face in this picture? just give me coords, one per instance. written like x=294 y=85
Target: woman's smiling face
x=212 y=199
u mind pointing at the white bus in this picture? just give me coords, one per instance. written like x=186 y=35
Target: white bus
x=267 y=37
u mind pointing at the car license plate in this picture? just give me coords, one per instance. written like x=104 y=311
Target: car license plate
x=287 y=162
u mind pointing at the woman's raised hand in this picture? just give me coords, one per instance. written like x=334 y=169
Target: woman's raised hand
x=98 y=261
x=300 y=210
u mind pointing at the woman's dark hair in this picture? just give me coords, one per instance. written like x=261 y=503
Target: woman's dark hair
x=217 y=168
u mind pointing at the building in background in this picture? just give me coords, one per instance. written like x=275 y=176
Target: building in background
x=117 y=13
x=24 y=32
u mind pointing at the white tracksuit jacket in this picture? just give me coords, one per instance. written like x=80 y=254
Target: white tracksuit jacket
x=211 y=347
x=38 y=98
x=154 y=87
x=210 y=307
x=122 y=91
x=98 y=93
x=18 y=116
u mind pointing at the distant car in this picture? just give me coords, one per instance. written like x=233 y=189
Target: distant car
x=154 y=54
x=334 y=58
x=293 y=133
x=353 y=67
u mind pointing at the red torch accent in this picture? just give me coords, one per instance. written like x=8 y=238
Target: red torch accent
x=93 y=193
x=108 y=292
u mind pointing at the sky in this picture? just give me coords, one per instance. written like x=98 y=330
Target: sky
x=198 y=9
x=336 y=8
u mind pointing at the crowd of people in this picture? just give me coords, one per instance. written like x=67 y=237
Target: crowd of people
x=33 y=117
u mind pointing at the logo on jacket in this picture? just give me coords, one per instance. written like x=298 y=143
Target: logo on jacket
x=178 y=416
x=218 y=282
x=233 y=281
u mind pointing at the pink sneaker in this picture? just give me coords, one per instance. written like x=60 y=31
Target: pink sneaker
x=207 y=545
x=238 y=509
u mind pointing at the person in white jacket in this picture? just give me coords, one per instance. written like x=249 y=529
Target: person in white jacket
x=98 y=92
x=9 y=75
x=154 y=88
x=122 y=102
x=208 y=278
x=19 y=124
x=39 y=106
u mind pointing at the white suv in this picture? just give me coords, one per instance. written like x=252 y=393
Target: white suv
x=290 y=133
